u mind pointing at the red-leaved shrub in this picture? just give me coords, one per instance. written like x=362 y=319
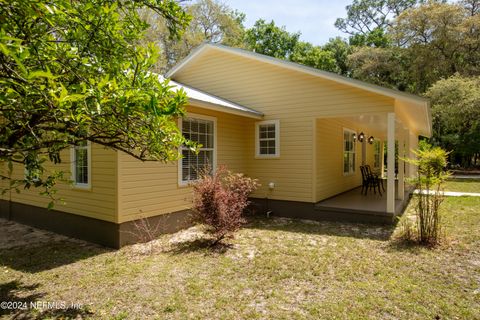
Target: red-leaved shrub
x=219 y=200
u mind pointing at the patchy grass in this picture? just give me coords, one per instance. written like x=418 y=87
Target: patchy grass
x=275 y=268
x=463 y=185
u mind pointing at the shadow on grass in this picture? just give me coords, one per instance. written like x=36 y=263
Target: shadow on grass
x=202 y=245
x=409 y=246
x=330 y=228
x=23 y=301
x=46 y=256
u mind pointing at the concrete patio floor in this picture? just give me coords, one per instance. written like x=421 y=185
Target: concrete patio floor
x=354 y=202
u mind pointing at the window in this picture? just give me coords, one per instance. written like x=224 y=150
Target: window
x=81 y=165
x=200 y=129
x=267 y=139
x=376 y=154
x=348 y=151
x=33 y=173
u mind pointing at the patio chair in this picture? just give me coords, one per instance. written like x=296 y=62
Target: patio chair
x=369 y=181
x=376 y=177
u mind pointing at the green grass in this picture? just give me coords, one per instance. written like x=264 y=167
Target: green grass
x=275 y=269
x=463 y=185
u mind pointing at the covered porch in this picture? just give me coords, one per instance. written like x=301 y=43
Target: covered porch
x=396 y=136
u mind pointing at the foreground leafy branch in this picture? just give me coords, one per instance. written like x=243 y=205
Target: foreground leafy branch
x=74 y=71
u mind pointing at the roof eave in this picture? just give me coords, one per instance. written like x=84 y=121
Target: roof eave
x=223 y=109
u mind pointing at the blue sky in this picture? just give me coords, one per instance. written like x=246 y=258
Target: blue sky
x=313 y=18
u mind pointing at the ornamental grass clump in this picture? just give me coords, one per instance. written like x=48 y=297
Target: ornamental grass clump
x=431 y=175
x=220 y=199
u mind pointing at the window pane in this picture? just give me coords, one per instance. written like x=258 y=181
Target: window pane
x=271 y=134
x=202 y=139
x=202 y=128
x=194 y=126
x=263 y=132
x=345 y=162
x=185 y=126
x=209 y=127
x=81 y=165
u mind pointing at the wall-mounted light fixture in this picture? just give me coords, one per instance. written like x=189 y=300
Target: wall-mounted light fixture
x=354 y=137
x=361 y=137
x=371 y=139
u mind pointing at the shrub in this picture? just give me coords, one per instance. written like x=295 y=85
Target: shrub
x=431 y=174
x=219 y=200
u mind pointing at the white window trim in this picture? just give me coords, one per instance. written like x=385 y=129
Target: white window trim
x=182 y=183
x=350 y=173
x=82 y=186
x=277 y=139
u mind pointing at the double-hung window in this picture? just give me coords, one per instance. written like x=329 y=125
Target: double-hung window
x=81 y=165
x=267 y=142
x=200 y=129
x=349 y=151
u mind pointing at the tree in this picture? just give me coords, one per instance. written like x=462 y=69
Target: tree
x=367 y=20
x=376 y=38
x=217 y=22
x=340 y=50
x=456 y=117
x=314 y=56
x=211 y=21
x=387 y=67
x=427 y=42
x=271 y=40
x=442 y=39
x=472 y=6
x=73 y=71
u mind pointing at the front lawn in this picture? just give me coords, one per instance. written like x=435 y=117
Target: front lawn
x=275 y=269
x=463 y=185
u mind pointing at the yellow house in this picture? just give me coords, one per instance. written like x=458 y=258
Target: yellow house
x=302 y=132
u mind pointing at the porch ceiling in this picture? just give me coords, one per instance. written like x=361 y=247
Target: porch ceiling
x=375 y=124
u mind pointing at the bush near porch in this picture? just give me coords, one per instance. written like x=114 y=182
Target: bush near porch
x=277 y=268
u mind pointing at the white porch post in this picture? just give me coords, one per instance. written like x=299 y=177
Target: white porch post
x=382 y=158
x=391 y=162
x=413 y=146
x=408 y=173
x=401 y=164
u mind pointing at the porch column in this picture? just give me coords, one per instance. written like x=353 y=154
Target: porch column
x=391 y=162
x=413 y=146
x=401 y=164
x=382 y=158
x=407 y=153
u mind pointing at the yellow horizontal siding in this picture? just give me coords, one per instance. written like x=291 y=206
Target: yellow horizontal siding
x=151 y=188
x=295 y=99
x=99 y=202
x=330 y=179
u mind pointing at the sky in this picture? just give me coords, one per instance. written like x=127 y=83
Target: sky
x=313 y=18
